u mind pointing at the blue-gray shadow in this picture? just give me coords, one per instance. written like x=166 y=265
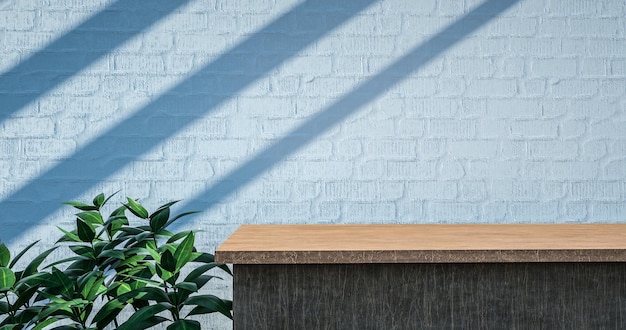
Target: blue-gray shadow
x=77 y=49
x=332 y=115
x=186 y=102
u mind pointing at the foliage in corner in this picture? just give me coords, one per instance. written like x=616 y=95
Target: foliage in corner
x=113 y=266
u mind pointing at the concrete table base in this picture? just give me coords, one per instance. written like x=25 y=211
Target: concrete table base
x=431 y=296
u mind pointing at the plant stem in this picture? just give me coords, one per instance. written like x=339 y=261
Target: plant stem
x=11 y=311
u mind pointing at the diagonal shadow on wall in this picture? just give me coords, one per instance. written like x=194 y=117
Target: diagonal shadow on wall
x=149 y=126
x=76 y=50
x=415 y=59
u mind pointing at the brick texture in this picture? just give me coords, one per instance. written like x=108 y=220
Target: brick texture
x=522 y=120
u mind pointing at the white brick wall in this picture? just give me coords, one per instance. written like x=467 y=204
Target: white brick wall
x=523 y=120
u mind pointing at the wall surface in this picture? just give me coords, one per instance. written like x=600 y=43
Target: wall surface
x=319 y=111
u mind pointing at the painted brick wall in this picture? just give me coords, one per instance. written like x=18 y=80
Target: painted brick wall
x=272 y=111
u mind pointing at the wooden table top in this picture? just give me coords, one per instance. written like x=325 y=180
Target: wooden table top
x=424 y=243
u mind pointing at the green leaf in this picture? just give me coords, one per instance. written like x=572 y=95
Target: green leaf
x=5 y=255
x=178 y=236
x=98 y=201
x=4 y=307
x=108 y=312
x=81 y=206
x=7 y=278
x=46 y=323
x=171 y=221
x=159 y=218
x=136 y=208
x=116 y=254
x=19 y=255
x=85 y=231
x=60 y=280
x=33 y=265
x=183 y=251
x=189 y=286
x=199 y=271
x=144 y=314
x=168 y=262
x=69 y=236
x=184 y=325
x=153 y=293
x=84 y=251
x=92 y=218
x=209 y=304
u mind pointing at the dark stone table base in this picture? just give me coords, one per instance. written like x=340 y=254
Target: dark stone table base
x=431 y=296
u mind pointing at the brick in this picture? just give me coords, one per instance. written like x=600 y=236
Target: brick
x=618 y=148
x=532 y=129
x=453 y=212
x=366 y=127
x=495 y=212
x=364 y=190
x=473 y=149
x=493 y=169
x=511 y=68
x=552 y=149
x=451 y=87
x=615 y=169
x=576 y=211
x=322 y=170
x=432 y=148
x=592 y=67
x=559 y=67
x=553 y=190
x=528 y=46
x=272 y=107
x=13 y=20
x=411 y=170
x=474 y=67
x=575 y=88
x=513 y=149
x=473 y=191
x=451 y=170
x=69 y=127
x=581 y=170
x=515 y=108
x=553 y=27
x=326 y=87
x=472 y=108
x=348 y=149
x=412 y=7
x=533 y=87
x=198 y=170
x=369 y=170
x=370 y=213
x=31 y=127
x=595 y=110
x=506 y=190
x=535 y=212
x=394 y=148
x=329 y=211
x=421 y=87
x=572 y=129
x=316 y=65
x=432 y=190
x=285 y=212
x=164 y=170
x=594 y=150
x=304 y=191
x=618 y=67
x=579 y=8
x=608 y=129
x=512 y=26
x=410 y=127
x=492 y=128
x=491 y=88
x=437 y=108
x=582 y=27
x=261 y=191
x=227 y=149
x=612 y=88
x=599 y=190
x=453 y=129
x=607 y=212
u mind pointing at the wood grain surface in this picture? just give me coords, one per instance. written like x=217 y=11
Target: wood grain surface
x=259 y=244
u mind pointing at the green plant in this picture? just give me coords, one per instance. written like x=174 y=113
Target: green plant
x=114 y=266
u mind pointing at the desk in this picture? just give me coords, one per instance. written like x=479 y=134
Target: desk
x=545 y=276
